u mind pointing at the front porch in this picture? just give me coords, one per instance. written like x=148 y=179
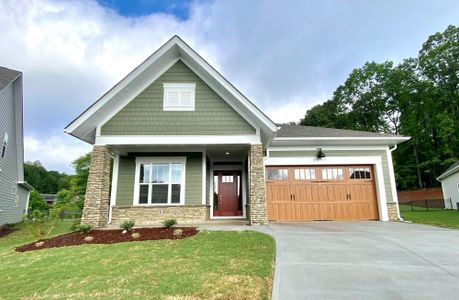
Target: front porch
x=193 y=185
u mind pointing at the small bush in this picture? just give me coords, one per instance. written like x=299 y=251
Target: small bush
x=84 y=228
x=169 y=223
x=127 y=225
x=39 y=224
x=75 y=224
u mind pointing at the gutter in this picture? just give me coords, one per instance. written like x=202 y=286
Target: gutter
x=26 y=185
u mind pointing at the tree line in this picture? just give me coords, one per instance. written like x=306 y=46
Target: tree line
x=418 y=97
x=70 y=189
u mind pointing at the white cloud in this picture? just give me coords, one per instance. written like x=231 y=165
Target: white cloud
x=285 y=58
x=54 y=152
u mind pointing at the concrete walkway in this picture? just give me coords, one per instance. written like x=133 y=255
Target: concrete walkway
x=363 y=260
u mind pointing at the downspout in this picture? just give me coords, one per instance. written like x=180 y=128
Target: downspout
x=395 y=185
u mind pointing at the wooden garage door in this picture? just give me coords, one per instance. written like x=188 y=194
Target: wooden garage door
x=305 y=193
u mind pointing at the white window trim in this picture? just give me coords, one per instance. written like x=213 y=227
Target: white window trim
x=159 y=160
x=179 y=86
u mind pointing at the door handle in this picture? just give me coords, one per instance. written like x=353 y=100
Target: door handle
x=293 y=196
x=290 y=197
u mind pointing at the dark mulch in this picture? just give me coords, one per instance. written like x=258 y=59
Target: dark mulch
x=5 y=230
x=110 y=237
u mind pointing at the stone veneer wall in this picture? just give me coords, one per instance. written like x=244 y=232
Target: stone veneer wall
x=97 y=197
x=257 y=209
x=392 y=208
x=155 y=215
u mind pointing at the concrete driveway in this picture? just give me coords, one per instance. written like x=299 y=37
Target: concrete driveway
x=365 y=260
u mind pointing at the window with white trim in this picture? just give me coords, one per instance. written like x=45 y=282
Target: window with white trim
x=179 y=96
x=160 y=181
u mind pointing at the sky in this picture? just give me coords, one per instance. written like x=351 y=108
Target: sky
x=286 y=56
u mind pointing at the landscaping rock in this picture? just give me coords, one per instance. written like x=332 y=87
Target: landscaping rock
x=124 y=231
x=39 y=244
x=88 y=238
x=135 y=235
x=178 y=232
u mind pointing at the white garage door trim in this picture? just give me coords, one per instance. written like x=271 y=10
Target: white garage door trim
x=342 y=160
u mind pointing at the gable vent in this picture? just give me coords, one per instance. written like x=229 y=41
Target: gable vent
x=179 y=96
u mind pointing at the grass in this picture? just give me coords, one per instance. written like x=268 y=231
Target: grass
x=435 y=216
x=210 y=265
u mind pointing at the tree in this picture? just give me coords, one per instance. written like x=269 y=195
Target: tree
x=36 y=202
x=418 y=98
x=64 y=198
x=80 y=179
x=44 y=181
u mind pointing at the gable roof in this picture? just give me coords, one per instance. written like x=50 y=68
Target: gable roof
x=7 y=76
x=291 y=133
x=450 y=171
x=85 y=125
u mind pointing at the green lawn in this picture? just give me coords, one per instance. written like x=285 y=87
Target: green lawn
x=437 y=217
x=210 y=265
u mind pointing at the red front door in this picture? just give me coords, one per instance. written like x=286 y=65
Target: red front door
x=227 y=193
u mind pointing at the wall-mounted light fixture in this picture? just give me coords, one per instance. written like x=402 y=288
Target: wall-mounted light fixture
x=320 y=154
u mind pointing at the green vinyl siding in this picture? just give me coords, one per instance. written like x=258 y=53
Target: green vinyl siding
x=144 y=115
x=344 y=153
x=193 y=177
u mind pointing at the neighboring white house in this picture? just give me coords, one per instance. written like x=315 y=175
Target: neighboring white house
x=14 y=191
x=450 y=186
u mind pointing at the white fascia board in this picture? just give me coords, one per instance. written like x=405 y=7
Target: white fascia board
x=227 y=85
x=119 y=86
x=325 y=148
x=447 y=174
x=177 y=140
x=396 y=138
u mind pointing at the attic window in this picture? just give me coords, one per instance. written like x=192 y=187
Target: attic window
x=179 y=96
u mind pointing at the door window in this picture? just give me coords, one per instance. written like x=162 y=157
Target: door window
x=305 y=174
x=359 y=173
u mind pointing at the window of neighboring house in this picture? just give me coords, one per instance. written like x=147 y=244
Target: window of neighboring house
x=5 y=143
x=179 y=96
x=160 y=181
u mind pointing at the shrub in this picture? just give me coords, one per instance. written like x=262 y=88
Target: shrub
x=75 y=224
x=36 y=202
x=39 y=224
x=169 y=223
x=127 y=225
x=84 y=228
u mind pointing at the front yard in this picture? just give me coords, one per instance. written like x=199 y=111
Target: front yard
x=210 y=265
x=435 y=216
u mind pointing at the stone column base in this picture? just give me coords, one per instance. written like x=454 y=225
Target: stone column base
x=392 y=208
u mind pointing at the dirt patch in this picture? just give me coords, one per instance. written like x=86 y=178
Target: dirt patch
x=5 y=230
x=109 y=237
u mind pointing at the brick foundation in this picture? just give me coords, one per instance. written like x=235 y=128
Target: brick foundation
x=155 y=215
x=257 y=209
x=97 y=197
x=392 y=208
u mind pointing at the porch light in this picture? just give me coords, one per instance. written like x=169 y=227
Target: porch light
x=227 y=153
x=320 y=154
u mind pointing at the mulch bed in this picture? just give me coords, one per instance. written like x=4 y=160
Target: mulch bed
x=5 y=230
x=110 y=237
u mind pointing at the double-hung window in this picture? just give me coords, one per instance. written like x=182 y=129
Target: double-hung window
x=160 y=181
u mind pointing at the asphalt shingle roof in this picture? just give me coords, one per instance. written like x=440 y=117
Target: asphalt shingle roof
x=6 y=76
x=454 y=166
x=309 y=131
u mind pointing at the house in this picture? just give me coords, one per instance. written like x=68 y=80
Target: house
x=188 y=145
x=450 y=186
x=14 y=192
x=50 y=199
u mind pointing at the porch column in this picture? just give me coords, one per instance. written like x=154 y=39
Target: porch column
x=258 y=214
x=97 y=197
